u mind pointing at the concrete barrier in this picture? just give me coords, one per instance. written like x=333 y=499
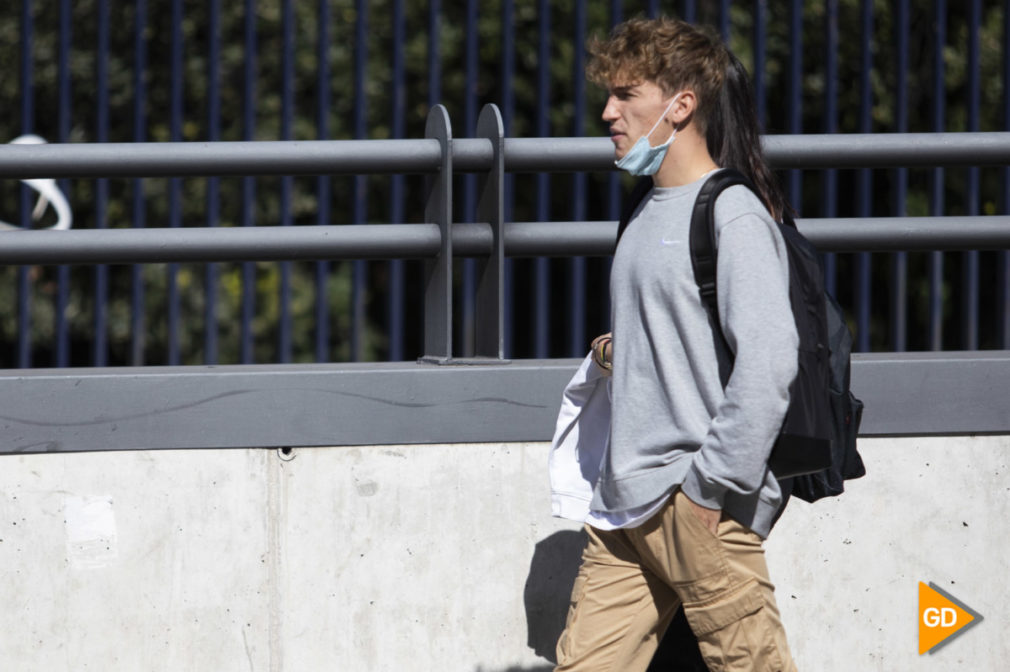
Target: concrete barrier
x=445 y=557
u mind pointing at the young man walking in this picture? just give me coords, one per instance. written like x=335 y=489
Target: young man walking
x=685 y=497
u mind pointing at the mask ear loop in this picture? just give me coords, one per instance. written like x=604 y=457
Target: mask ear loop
x=661 y=118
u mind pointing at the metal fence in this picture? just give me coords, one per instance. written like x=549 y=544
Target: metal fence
x=929 y=300
x=492 y=399
x=440 y=239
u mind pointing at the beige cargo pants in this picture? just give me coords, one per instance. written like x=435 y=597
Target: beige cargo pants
x=632 y=581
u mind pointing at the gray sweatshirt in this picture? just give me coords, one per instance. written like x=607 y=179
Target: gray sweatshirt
x=673 y=424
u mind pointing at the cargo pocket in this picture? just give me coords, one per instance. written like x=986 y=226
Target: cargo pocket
x=712 y=615
x=736 y=633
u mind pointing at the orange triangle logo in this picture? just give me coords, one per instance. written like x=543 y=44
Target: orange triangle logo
x=941 y=617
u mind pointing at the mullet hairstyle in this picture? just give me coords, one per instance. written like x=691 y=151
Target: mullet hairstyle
x=677 y=56
x=734 y=138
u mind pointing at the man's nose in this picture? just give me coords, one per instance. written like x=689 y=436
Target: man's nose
x=610 y=110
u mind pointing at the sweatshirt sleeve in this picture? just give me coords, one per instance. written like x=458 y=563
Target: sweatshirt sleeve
x=752 y=282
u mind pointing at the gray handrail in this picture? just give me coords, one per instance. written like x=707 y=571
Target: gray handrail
x=189 y=159
x=351 y=157
x=421 y=241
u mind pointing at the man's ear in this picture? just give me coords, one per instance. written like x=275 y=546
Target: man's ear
x=684 y=108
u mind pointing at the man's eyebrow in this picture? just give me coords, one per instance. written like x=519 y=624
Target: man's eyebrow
x=622 y=89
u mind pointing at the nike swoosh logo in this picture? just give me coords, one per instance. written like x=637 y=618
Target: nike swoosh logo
x=665 y=241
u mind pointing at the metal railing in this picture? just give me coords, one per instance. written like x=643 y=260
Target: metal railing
x=440 y=239
x=331 y=404
x=133 y=408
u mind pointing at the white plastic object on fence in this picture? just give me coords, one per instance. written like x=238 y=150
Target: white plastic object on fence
x=49 y=193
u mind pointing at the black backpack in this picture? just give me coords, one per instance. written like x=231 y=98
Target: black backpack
x=816 y=448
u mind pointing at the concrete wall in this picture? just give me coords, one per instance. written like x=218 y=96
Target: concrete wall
x=445 y=558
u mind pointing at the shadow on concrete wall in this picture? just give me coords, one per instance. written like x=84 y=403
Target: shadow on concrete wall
x=548 y=591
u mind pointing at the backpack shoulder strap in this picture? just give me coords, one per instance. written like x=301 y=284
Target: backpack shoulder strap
x=638 y=194
x=702 y=235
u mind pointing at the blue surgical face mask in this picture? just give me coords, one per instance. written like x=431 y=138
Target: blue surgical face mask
x=644 y=159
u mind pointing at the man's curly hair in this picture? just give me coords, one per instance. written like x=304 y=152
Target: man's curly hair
x=670 y=53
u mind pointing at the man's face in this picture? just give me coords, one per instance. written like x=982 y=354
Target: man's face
x=632 y=110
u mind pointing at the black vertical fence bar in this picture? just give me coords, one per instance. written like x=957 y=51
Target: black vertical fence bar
x=936 y=205
x=323 y=181
x=577 y=341
x=970 y=259
x=796 y=93
x=137 y=326
x=27 y=126
x=397 y=282
x=830 y=125
x=359 y=268
x=724 y=22
x=653 y=9
x=541 y=274
x=760 y=56
x=1003 y=269
x=248 y=183
x=468 y=302
x=284 y=334
x=508 y=112
x=213 y=203
x=63 y=135
x=690 y=11
x=864 y=178
x=99 y=353
x=175 y=184
x=899 y=260
x=434 y=53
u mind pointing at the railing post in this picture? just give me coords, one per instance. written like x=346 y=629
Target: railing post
x=490 y=328
x=438 y=272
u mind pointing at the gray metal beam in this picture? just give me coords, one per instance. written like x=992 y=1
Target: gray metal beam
x=333 y=157
x=408 y=241
x=888 y=234
x=391 y=403
x=851 y=150
x=869 y=234
x=490 y=294
x=438 y=270
x=188 y=159
x=255 y=243
x=887 y=150
x=476 y=154
x=530 y=155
